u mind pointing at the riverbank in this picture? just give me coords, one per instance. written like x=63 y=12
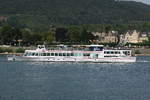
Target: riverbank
x=6 y=53
x=142 y=54
x=141 y=51
x=20 y=50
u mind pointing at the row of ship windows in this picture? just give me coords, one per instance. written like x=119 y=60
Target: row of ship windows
x=111 y=56
x=116 y=52
x=112 y=52
x=56 y=54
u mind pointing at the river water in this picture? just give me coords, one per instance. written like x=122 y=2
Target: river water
x=75 y=81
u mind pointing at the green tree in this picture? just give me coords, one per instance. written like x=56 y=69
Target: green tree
x=74 y=34
x=49 y=37
x=149 y=41
x=61 y=34
x=86 y=36
x=31 y=38
x=36 y=38
x=7 y=34
x=26 y=36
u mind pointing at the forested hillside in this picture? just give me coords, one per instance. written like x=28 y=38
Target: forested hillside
x=43 y=13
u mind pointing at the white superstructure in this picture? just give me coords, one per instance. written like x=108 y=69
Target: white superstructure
x=92 y=53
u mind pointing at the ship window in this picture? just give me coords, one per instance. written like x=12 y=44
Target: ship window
x=75 y=54
x=125 y=52
x=80 y=54
x=60 y=54
x=108 y=52
x=48 y=54
x=128 y=52
x=71 y=54
x=116 y=52
x=110 y=56
x=68 y=54
x=36 y=54
x=43 y=54
x=112 y=52
x=52 y=54
x=105 y=52
x=86 y=54
x=26 y=54
x=93 y=48
x=64 y=54
x=32 y=54
x=56 y=54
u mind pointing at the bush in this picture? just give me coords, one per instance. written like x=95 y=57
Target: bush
x=1 y=50
x=9 y=50
x=20 y=50
x=137 y=52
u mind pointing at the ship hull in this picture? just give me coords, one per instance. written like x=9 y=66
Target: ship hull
x=73 y=59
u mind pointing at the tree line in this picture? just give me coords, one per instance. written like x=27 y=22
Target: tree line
x=71 y=34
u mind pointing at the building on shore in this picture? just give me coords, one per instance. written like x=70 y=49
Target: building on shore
x=133 y=36
x=103 y=37
x=130 y=36
x=143 y=37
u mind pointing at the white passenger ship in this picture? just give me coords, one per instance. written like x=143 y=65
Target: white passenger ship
x=93 y=53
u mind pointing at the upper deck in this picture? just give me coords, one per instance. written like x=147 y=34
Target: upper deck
x=78 y=51
x=76 y=48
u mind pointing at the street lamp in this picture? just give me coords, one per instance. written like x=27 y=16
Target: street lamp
x=19 y=41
